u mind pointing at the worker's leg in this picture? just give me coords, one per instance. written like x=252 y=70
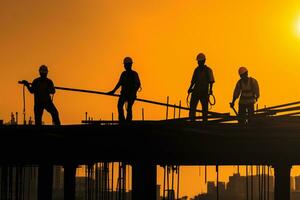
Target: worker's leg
x=193 y=106
x=50 y=107
x=121 y=103
x=250 y=110
x=130 y=103
x=204 y=103
x=242 y=114
x=38 y=113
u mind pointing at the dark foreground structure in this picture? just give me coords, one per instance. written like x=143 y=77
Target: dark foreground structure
x=144 y=145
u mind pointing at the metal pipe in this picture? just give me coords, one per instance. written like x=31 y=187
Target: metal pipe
x=137 y=99
x=24 y=106
x=168 y=181
x=164 y=184
x=217 y=171
x=112 y=181
x=278 y=106
x=247 y=193
x=259 y=183
x=167 y=109
x=268 y=184
x=174 y=112
x=172 y=183
x=178 y=177
x=251 y=182
x=179 y=111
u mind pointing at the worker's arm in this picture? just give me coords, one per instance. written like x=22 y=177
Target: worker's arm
x=211 y=87
x=51 y=88
x=191 y=88
x=138 y=82
x=28 y=86
x=192 y=82
x=211 y=81
x=236 y=94
x=117 y=85
x=256 y=89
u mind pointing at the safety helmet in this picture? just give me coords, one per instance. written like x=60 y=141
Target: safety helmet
x=201 y=57
x=127 y=60
x=242 y=70
x=43 y=69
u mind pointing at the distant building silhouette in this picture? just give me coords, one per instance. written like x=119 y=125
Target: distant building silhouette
x=236 y=188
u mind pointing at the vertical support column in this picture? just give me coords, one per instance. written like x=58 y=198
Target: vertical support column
x=282 y=181
x=45 y=182
x=69 y=181
x=143 y=181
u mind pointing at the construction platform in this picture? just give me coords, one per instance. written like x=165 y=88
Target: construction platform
x=180 y=143
x=273 y=141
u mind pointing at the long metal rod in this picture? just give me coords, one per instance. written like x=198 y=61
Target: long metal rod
x=178 y=181
x=167 y=108
x=24 y=106
x=168 y=182
x=217 y=171
x=112 y=181
x=172 y=180
x=164 y=184
x=251 y=182
x=278 y=106
x=247 y=191
x=258 y=175
x=288 y=115
x=286 y=109
x=268 y=184
x=137 y=99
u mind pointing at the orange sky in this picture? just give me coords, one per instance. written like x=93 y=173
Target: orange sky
x=84 y=41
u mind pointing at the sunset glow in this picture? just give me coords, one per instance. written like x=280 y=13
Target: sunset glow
x=83 y=43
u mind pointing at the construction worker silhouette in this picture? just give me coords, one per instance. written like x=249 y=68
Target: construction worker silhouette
x=247 y=90
x=201 y=87
x=42 y=88
x=130 y=83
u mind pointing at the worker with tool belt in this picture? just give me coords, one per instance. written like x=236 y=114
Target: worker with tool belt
x=130 y=83
x=201 y=87
x=42 y=88
x=247 y=90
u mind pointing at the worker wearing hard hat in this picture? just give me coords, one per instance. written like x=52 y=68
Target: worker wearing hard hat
x=247 y=90
x=42 y=88
x=130 y=84
x=201 y=87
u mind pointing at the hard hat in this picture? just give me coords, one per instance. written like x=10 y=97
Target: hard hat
x=242 y=70
x=127 y=60
x=201 y=57
x=43 y=69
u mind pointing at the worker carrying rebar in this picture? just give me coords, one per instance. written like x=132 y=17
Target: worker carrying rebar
x=130 y=83
x=247 y=90
x=42 y=88
x=201 y=87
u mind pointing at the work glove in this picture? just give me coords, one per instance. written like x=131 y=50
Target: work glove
x=24 y=82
